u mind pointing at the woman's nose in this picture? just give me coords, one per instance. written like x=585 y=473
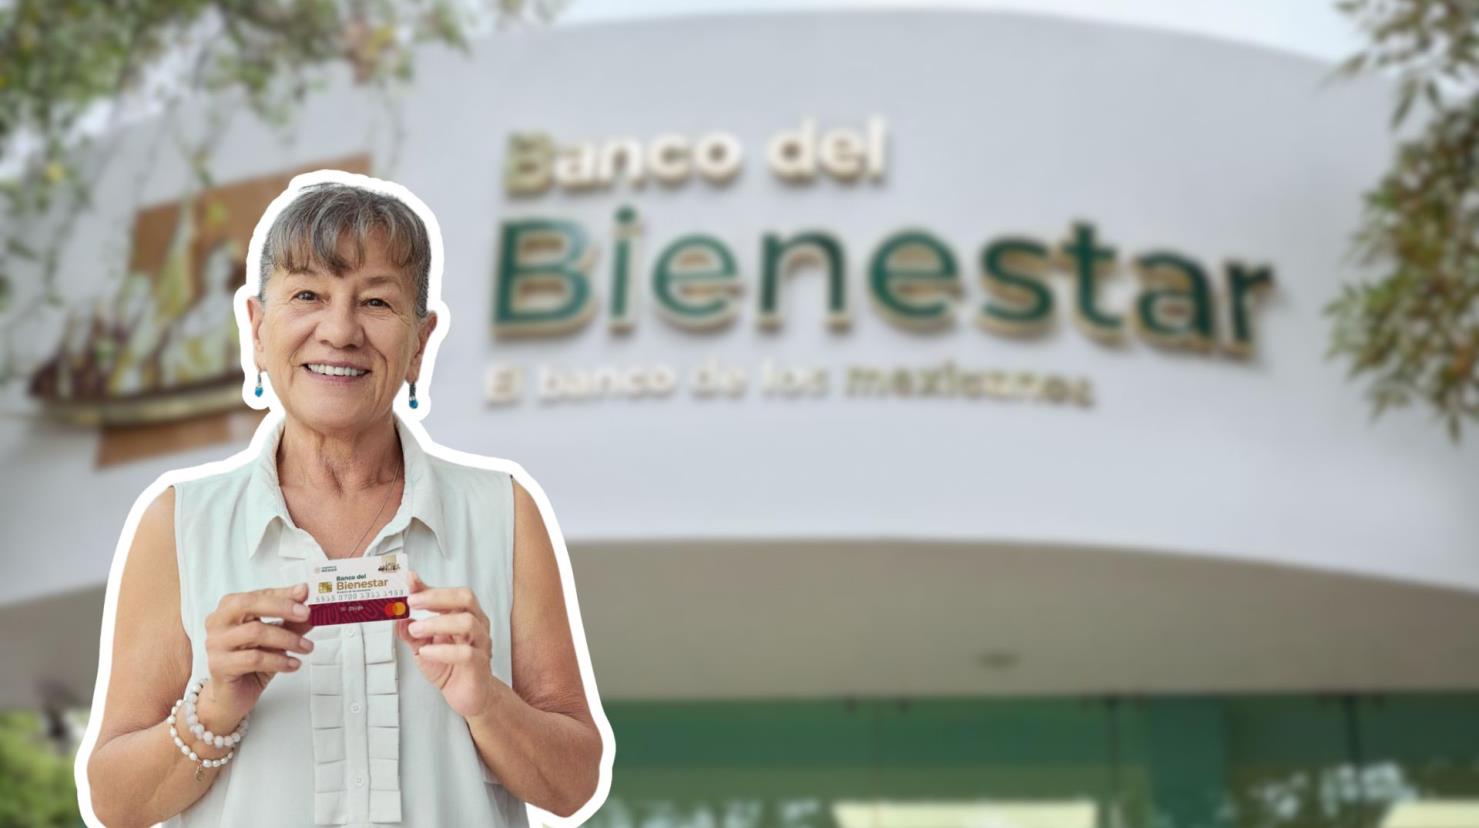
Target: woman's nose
x=340 y=326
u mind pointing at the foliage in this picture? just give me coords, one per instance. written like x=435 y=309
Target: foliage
x=66 y=65
x=1414 y=332
x=36 y=786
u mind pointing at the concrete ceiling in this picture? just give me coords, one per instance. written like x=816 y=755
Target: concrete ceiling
x=789 y=619
x=899 y=618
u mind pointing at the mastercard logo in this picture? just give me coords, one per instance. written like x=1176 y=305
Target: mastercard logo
x=395 y=609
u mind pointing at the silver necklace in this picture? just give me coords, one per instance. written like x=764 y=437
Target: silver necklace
x=378 y=512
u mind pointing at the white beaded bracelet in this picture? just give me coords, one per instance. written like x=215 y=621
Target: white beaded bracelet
x=192 y=694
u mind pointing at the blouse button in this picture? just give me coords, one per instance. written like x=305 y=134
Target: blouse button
x=359 y=781
x=355 y=707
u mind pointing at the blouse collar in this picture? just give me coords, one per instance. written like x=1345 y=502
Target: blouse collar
x=265 y=503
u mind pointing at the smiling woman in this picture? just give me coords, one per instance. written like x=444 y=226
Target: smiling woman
x=499 y=711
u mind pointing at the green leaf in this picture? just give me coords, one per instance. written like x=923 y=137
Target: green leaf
x=19 y=248
x=1405 y=98
x=1352 y=65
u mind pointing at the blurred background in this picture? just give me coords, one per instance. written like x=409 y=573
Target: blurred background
x=1008 y=415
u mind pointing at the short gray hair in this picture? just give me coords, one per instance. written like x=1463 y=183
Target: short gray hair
x=308 y=231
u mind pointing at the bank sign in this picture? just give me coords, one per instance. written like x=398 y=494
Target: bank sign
x=549 y=270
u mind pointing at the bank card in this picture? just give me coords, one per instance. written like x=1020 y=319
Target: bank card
x=353 y=590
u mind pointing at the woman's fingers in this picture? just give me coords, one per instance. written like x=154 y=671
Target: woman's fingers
x=240 y=643
x=451 y=653
x=401 y=632
x=275 y=602
x=286 y=603
x=242 y=662
x=457 y=625
x=446 y=599
x=261 y=635
x=442 y=599
x=299 y=627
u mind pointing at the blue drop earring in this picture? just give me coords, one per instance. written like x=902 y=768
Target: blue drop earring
x=259 y=384
x=413 y=395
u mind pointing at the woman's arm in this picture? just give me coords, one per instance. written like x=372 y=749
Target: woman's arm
x=136 y=774
x=538 y=737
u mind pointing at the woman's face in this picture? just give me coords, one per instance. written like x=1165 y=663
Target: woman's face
x=364 y=318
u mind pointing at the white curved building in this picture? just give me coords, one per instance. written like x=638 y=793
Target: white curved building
x=935 y=407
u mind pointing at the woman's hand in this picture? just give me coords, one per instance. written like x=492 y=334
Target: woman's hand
x=455 y=649
x=244 y=652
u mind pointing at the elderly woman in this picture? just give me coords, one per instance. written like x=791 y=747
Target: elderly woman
x=342 y=731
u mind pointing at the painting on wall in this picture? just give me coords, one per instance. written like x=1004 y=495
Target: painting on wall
x=165 y=347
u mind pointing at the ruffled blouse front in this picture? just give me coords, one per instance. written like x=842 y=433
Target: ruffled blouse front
x=351 y=752
x=354 y=707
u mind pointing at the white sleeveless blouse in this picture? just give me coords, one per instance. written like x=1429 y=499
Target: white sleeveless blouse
x=356 y=737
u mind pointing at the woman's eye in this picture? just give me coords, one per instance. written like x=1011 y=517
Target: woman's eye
x=302 y=292
x=381 y=301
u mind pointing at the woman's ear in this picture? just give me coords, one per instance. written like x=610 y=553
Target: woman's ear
x=255 y=312
x=423 y=335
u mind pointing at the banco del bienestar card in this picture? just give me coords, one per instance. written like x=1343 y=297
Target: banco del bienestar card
x=352 y=590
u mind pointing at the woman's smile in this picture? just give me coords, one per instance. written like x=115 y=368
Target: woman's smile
x=335 y=375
